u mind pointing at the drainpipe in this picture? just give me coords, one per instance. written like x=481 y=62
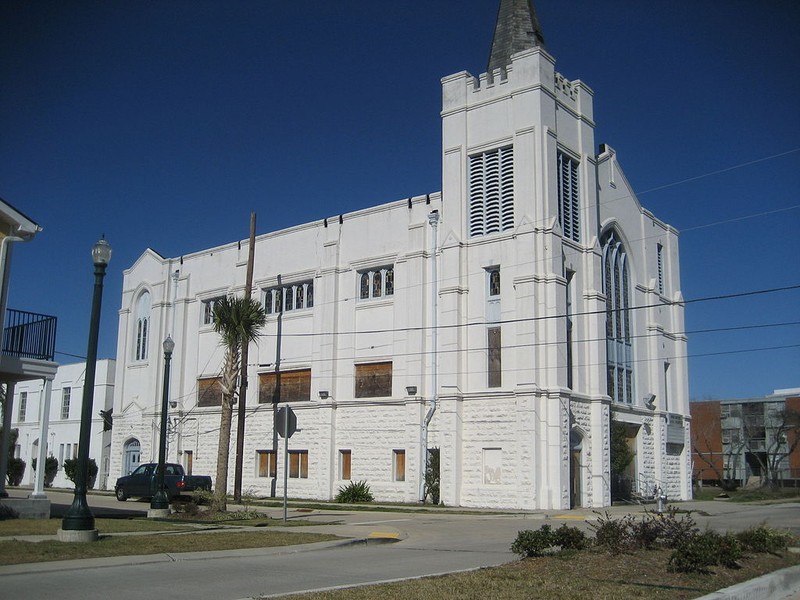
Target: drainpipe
x=433 y=219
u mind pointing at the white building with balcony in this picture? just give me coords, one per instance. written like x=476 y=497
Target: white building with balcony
x=27 y=344
x=501 y=321
x=64 y=420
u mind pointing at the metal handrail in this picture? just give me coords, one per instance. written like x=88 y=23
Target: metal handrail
x=29 y=335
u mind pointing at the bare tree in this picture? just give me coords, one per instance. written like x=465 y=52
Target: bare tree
x=784 y=426
x=720 y=458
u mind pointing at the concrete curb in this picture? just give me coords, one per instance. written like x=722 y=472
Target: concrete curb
x=772 y=586
x=143 y=559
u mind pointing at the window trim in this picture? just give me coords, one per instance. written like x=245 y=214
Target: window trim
x=295 y=381
x=280 y=299
x=363 y=389
x=207 y=312
x=366 y=283
x=490 y=191
x=143 y=307
x=569 y=195
x=398 y=465
x=22 y=409
x=300 y=466
x=494 y=357
x=619 y=338
x=204 y=387
x=270 y=457
x=345 y=464
x=66 y=399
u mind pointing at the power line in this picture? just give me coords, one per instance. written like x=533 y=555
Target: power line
x=718 y=171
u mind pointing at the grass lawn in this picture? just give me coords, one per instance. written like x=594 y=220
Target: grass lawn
x=18 y=552
x=585 y=574
x=175 y=536
x=50 y=526
x=749 y=495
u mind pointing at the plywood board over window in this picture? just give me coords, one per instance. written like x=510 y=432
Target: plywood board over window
x=209 y=391
x=374 y=380
x=284 y=386
x=494 y=355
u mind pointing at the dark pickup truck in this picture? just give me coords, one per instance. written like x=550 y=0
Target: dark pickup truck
x=143 y=482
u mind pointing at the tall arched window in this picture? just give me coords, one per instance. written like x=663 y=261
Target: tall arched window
x=616 y=284
x=142 y=326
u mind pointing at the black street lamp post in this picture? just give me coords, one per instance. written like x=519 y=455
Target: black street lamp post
x=160 y=500
x=79 y=517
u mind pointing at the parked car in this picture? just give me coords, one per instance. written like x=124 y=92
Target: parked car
x=143 y=482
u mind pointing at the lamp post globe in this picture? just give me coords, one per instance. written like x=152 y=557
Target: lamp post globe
x=160 y=500
x=78 y=522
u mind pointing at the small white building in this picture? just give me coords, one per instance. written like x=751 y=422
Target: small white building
x=502 y=320
x=65 y=420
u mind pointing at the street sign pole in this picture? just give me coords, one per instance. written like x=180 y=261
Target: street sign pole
x=285 y=460
x=286 y=424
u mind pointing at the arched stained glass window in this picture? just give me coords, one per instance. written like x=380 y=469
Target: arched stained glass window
x=364 y=285
x=616 y=283
x=377 y=284
x=142 y=326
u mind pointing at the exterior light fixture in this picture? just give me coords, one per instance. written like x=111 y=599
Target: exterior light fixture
x=159 y=503
x=324 y=395
x=411 y=390
x=78 y=522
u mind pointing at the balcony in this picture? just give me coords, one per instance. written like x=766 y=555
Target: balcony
x=29 y=335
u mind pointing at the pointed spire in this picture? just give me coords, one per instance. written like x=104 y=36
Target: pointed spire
x=517 y=29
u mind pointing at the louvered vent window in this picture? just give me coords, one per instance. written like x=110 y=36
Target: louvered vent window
x=568 y=197
x=491 y=191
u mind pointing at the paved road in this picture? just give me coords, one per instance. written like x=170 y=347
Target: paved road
x=430 y=543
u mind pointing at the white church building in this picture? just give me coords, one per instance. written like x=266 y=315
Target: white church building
x=502 y=321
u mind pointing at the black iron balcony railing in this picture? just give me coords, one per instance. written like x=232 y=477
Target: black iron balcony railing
x=28 y=335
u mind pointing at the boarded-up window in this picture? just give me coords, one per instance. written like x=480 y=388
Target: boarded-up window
x=267 y=465
x=374 y=380
x=298 y=464
x=399 y=464
x=285 y=386
x=345 y=457
x=209 y=391
x=493 y=354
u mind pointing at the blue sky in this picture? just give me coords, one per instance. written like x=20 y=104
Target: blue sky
x=164 y=124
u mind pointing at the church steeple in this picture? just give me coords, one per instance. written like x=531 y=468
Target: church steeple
x=517 y=29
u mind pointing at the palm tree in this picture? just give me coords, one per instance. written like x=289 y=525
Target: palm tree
x=237 y=321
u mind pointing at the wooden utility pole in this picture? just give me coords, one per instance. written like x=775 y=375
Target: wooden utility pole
x=248 y=288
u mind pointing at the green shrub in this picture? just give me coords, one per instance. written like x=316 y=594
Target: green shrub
x=71 y=470
x=570 y=538
x=533 y=543
x=646 y=533
x=675 y=531
x=763 y=539
x=706 y=550
x=50 y=469
x=15 y=471
x=16 y=466
x=202 y=497
x=614 y=535
x=354 y=492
